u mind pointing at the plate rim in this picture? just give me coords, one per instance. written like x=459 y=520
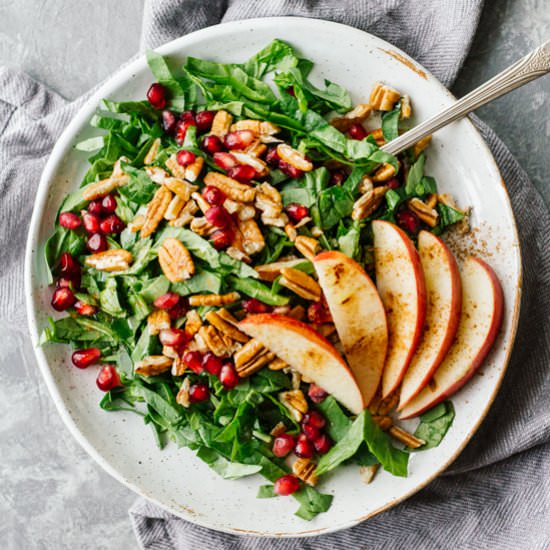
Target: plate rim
x=124 y=74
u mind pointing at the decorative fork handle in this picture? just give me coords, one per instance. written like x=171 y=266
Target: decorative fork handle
x=530 y=67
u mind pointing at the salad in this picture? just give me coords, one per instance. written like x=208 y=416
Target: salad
x=204 y=259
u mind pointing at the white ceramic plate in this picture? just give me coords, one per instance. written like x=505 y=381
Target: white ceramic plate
x=174 y=478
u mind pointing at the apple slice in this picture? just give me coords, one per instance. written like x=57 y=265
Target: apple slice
x=307 y=352
x=400 y=282
x=482 y=307
x=444 y=297
x=358 y=315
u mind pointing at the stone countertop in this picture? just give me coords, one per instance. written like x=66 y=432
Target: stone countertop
x=53 y=494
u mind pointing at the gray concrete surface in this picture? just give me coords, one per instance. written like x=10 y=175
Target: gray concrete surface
x=52 y=495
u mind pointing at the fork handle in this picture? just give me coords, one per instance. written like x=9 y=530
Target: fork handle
x=530 y=67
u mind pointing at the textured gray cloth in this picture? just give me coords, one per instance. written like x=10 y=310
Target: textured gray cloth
x=497 y=494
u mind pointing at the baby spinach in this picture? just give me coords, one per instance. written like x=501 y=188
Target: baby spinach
x=256 y=289
x=434 y=424
x=390 y=124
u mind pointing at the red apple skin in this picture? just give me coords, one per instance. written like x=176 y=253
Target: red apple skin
x=388 y=388
x=492 y=333
x=454 y=315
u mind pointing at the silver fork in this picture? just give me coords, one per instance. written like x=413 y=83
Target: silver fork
x=530 y=67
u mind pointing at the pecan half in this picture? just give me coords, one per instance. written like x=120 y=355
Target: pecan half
x=193 y=322
x=304 y=469
x=300 y=283
x=214 y=342
x=419 y=146
x=221 y=124
x=428 y=215
x=251 y=358
x=157 y=174
x=253 y=240
x=181 y=188
x=295 y=402
x=232 y=188
x=269 y=272
x=383 y=98
x=216 y=320
x=158 y=320
x=258 y=164
x=193 y=170
x=213 y=299
x=406 y=107
x=137 y=223
x=174 y=208
x=152 y=153
x=175 y=260
x=384 y=173
x=116 y=259
x=186 y=215
x=294 y=157
x=356 y=116
x=307 y=246
x=182 y=397
x=201 y=226
x=277 y=364
x=153 y=365
x=367 y=473
x=175 y=167
x=156 y=210
x=99 y=189
x=368 y=203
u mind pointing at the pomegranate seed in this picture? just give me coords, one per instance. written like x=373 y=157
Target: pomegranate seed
x=109 y=204
x=112 y=225
x=82 y=308
x=356 y=131
x=91 y=221
x=193 y=359
x=253 y=305
x=178 y=311
x=243 y=173
x=181 y=130
x=218 y=216
x=408 y=220
x=297 y=212
x=198 y=393
x=69 y=220
x=240 y=139
x=316 y=393
x=304 y=448
x=337 y=178
x=212 y=144
x=156 y=95
x=314 y=418
x=68 y=265
x=63 y=298
x=95 y=208
x=286 y=485
x=289 y=170
x=108 y=378
x=204 y=120
x=97 y=243
x=322 y=444
x=228 y=376
x=169 y=120
x=213 y=196
x=222 y=238
x=394 y=183
x=318 y=313
x=83 y=358
x=185 y=158
x=225 y=161
x=310 y=432
x=272 y=157
x=282 y=445
x=173 y=337
x=167 y=301
x=188 y=116
x=212 y=364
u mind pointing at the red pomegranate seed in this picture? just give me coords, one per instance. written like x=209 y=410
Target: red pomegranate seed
x=185 y=158
x=322 y=444
x=272 y=157
x=337 y=178
x=68 y=265
x=394 y=183
x=225 y=161
x=95 y=208
x=253 y=305
x=213 y=196
x=109 y=204
x=181 y=130
x=243 y=173
x=289 y=170
x=69 y=220
x=188 y=116
x=218 y=216
x=212 y=364
x=314 y=418
x=108 y=378
x=63 y=298
x=228 y=376
x=316 y=393
x=178 y=311
x=169 y=119
x=408 y=221
x=156 y=95
x=290 y=91
x=286 y=485
x=240 y=139
x=310 y=432
x=167 y=301
x=304 y=448
x=212 y=144
x=282 y=445
x=198 y=393
x=91 y=221
x=82 y=308
x=204 y=120
x=112 y=225
x=297 y=212
x=357 y=131
x=318 y=313
x=97 y=243
x=83 y=358
x=222 y=238
x=173 y=337
x=193 y=359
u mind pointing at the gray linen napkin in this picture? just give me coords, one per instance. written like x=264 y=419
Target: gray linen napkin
x=501 y=498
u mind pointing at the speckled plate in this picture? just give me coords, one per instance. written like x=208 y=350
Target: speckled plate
x=174 y=478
